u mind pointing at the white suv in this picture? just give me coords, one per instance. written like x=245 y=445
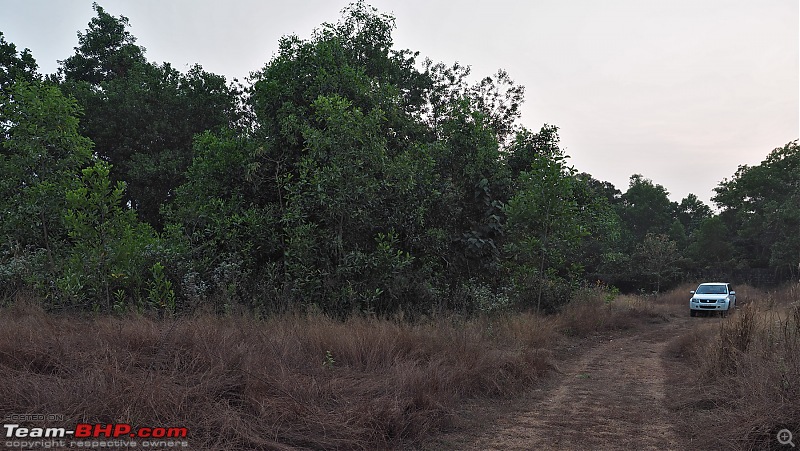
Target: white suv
x=713 y=297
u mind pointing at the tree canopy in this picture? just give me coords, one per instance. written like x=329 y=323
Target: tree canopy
x=762 y=205
x=346 y=175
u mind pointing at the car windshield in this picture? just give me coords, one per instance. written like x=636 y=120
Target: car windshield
x=712 y=289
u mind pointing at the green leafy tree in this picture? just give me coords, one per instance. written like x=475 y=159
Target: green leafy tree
x=40 y=154
x=142 y=116
x=711 y=243
x=544 y=223
x=599 y=250
x=144 y=124
x=497 y=98
x=340 y=198
x=471 y=125
x=307 y=204
x=761 y=206
x=106 y=51
x=220 y=235
x=15 y=66
x=691 y=212
x=108 y=243
x=645 y=208
x=442 y=176
x=366 y=183
x=471 y=177
x=677 y=233
x=529 y=146
x=606 y=190
x=689 y=215
x=656 y=259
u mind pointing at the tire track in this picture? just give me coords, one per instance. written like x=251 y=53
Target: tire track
x=611 y=398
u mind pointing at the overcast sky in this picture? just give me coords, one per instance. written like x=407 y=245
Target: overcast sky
x=680 y=91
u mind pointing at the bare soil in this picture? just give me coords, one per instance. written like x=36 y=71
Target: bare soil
x=610 y=393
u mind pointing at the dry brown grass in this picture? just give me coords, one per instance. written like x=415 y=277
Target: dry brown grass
x=241 y=383
x=300 y=381
x=597 y=312
x=741 y=380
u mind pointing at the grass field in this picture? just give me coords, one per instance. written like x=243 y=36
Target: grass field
x=308 y=381
x=737 y=382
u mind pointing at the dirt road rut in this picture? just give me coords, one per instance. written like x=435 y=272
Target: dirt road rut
x=612 y=397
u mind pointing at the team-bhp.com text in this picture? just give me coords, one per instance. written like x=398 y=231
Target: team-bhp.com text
x=119 y=433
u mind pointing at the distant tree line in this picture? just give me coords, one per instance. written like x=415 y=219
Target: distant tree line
x=345 y=176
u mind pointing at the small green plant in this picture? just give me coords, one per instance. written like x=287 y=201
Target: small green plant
x=611 y=294
x=490 y=332
x=119 y=301
x=160 y=292
x=329 y=362
x=70 y=285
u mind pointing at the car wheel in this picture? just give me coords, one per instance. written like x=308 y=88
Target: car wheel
x=692 y=313
x=723 y=313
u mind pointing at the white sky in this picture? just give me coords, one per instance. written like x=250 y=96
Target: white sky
x=681 y=91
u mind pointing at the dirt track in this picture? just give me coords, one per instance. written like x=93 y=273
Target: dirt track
x=611 y=397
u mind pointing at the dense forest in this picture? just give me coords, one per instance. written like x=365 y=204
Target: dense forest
x=343 y=176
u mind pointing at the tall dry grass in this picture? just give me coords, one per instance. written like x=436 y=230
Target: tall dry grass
x=597 y=311
x=302 y=381
x=240 y=383
x=742 y=384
